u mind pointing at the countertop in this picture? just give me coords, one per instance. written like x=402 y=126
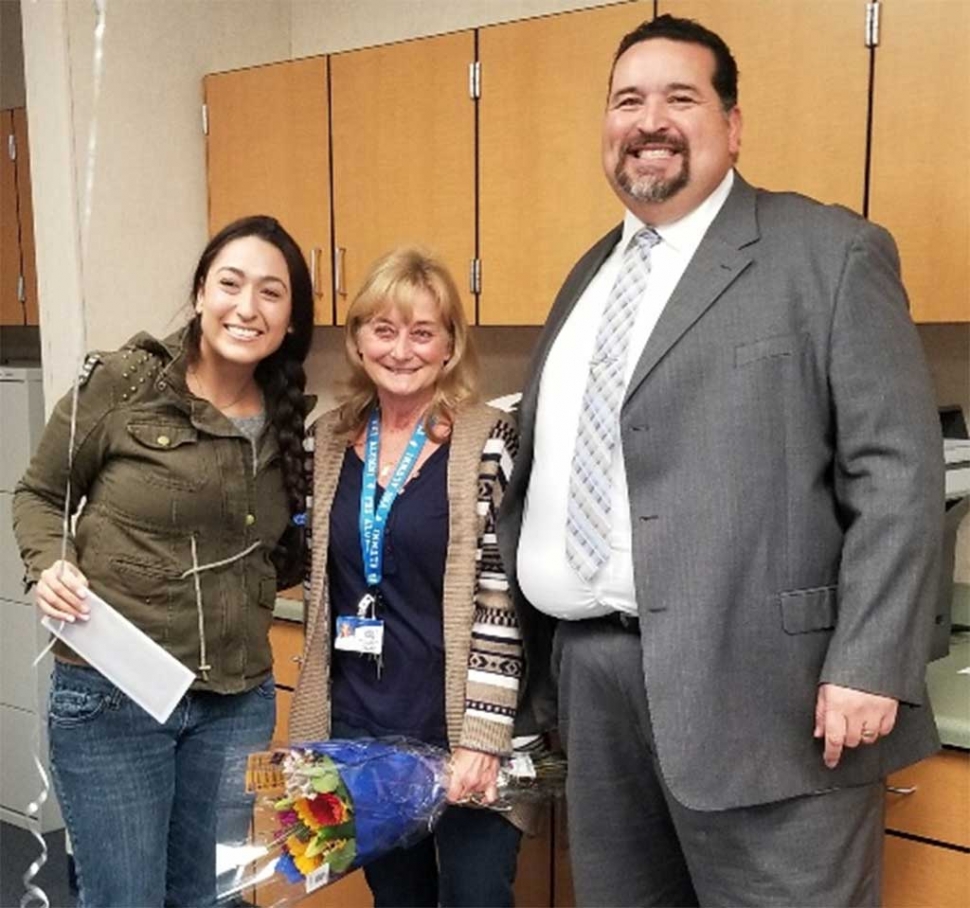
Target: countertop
x=288 y=609
x=949 y=684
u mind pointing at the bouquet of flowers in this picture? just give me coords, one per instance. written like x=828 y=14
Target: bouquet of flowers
x=325 y=808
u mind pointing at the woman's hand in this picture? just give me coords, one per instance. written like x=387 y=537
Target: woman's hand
x=60 y=592
x=473 y=773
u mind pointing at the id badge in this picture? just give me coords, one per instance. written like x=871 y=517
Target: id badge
x=359 y=635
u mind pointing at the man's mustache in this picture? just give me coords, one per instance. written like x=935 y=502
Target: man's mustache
x=654 y=139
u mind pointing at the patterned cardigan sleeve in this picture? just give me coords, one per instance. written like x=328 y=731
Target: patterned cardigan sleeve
x=495 y=658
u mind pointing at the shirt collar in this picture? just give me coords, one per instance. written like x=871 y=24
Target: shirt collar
x=684 y=235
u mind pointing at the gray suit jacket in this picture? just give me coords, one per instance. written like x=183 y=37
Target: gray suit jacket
x=783 y=456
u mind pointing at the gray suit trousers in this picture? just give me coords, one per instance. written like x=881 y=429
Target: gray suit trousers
x=631 y=843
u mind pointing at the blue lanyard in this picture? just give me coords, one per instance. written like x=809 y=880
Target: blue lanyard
x=373 y=520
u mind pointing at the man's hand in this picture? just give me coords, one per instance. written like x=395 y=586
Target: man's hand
x=847 y=718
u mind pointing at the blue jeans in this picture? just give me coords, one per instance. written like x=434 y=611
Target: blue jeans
x=141 y=799
x=469 y=860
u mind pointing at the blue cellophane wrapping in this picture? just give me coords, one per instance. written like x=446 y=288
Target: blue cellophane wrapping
x=396 y=789
x=396 y=786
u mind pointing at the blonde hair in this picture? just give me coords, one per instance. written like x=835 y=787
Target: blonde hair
x=394 y=281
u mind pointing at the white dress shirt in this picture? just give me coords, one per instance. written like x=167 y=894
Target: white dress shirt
x=546 y=577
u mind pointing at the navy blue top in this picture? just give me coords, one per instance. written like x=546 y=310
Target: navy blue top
x=409 y=697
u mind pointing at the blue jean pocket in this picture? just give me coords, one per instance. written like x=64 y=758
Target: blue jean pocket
x=78 y=695
x=267 y=689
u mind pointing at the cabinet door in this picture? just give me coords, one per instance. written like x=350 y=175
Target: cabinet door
x=268 y=152
x=284 y=702
x=25 y=207
x=931 y=799
x=803 y=91
x=11 y=308
x=543 y=197
x=286 y=640
x=533 y=877
x=920 y=181
x=921 y=875
x=404 y=157
x=564 y=896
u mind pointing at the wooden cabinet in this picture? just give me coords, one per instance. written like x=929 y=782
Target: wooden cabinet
x=286 y=640
x=562 y=876
x=927 y=846
x=18 y=274
x=516 y=184
x=920 y=182
x=921 y=875
x=803 y=91
x=404 y=157
x=543 y=196
x=268 y=152
x=533 y=881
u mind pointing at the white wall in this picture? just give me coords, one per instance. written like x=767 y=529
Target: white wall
x=324 y=26
x=148 y=204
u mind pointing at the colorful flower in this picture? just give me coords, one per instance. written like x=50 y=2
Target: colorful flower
x=328 y=809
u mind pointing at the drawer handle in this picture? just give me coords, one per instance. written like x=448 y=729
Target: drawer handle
x=897 y=790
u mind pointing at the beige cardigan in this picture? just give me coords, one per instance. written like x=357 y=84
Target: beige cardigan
x=482 y=670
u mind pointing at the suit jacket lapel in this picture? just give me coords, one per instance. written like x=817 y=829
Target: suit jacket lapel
x=716 y=264
x=572 y=289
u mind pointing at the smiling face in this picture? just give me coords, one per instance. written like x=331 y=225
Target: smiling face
x=404 y=349
x=667 y=140
x=244 y=304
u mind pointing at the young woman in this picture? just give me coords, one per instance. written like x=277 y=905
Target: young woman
x=410 y=447
x=188 y=455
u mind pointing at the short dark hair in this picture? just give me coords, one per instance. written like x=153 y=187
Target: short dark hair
x=725 y=79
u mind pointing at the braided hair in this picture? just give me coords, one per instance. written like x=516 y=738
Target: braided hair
x=280 y=375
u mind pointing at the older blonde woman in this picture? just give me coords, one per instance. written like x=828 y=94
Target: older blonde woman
x=410 y=629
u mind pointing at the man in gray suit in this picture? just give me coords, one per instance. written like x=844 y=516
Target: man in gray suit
x=726 y=526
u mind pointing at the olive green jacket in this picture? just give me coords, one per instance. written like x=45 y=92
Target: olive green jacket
x=169 y=483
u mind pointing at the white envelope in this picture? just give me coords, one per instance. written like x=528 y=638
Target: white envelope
x=126 y=656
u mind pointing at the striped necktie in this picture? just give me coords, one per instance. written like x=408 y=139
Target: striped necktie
x=588 y=513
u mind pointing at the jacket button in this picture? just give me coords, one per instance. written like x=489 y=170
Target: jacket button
x=164 y=440
x=250 y=519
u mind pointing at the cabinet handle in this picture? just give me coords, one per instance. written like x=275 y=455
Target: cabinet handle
x=897 y=790
x=315 y=270
x=338 y=267
x=297 y=659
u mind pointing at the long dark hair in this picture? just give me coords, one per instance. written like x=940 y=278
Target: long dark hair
x=280 y=376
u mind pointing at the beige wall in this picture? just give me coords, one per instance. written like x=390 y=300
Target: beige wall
x=324 y=26
x=148 y=199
